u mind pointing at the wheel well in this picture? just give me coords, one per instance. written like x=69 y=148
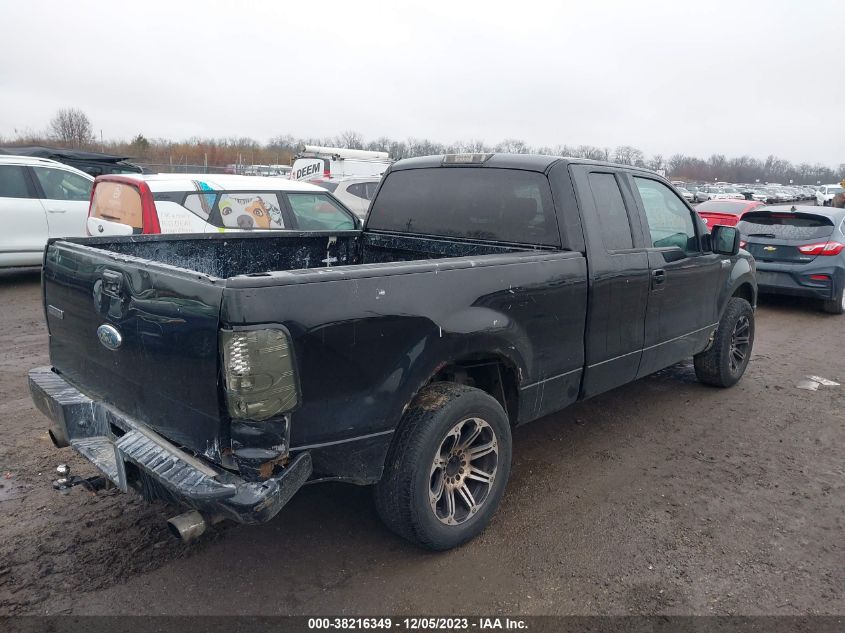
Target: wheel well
x=493 y=374
x=745 y=292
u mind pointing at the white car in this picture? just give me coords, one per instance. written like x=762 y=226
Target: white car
x=710 y=193
x=732 y=193
x=826 y=193
x=203 y=203
x=39 y=199
x=355 y=193
x=686 y=193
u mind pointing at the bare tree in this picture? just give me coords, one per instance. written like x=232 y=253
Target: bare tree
x=513 y=146
x=655 y=163
x=627 y=155
x=72 y=127
x=351 y=140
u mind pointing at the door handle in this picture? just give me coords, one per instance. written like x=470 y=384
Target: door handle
x=658 y=277
x=55 y=210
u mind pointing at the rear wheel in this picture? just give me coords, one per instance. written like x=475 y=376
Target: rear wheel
x=447 y=467
x=837 y=304
x=724 y=363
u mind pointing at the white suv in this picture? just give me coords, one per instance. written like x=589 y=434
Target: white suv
x=355 y=193
x=39 y=199
x=826 y=193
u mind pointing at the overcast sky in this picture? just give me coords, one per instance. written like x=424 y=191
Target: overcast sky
x=737 y=77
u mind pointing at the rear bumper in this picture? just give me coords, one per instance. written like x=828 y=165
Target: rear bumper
x=785 y=280
x=135 y=457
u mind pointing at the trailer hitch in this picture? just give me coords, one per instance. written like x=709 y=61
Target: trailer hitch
x=66 y=481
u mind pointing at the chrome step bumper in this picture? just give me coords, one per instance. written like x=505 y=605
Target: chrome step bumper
x=127 y=452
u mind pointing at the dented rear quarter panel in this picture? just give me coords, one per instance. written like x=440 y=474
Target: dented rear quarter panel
x=367 y=338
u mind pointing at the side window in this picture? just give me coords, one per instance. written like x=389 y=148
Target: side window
x=200 y=204
x=318 y=212
x=371 y=190
x=357 y=190
x=13 y=182
x=59 y=184
x=250 y=211
x=613 y=217
x=669 y=220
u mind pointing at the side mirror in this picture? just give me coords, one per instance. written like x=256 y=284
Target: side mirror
x=725 y=240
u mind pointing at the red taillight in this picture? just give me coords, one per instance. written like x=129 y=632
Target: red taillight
x=148 y=209
x=820 y=277
x=822 y=248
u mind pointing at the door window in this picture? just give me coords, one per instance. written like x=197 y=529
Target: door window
x=669 y=220
x=13 y=182
x=613 y=217
x=59 y=184
x=318 y=212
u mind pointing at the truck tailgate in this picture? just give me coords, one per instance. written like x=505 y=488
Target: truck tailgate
x=141 y=336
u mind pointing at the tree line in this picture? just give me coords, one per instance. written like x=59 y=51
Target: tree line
x=72 y=128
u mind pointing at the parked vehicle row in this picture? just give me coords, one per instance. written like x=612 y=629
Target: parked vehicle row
x=42 y=199
x=771 y=193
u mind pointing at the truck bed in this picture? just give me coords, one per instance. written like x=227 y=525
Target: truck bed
x=230 y=255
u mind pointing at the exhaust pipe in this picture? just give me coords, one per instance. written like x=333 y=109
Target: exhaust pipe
x=188 y=526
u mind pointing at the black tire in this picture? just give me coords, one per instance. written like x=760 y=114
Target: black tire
x=837 y=304
x=719 y=365
x=404 y=494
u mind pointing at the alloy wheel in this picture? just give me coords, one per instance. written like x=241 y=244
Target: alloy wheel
x=463 y=471
x=740 y=342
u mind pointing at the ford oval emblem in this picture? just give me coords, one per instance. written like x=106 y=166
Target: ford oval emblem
x=109 y=336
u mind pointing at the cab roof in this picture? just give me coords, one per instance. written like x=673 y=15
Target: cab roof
x=526 y=162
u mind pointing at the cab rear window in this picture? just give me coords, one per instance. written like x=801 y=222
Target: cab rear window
x=505 y=205
x=117 y=202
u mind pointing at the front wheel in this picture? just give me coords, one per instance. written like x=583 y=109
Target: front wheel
x=447 y=467
x=724 y=362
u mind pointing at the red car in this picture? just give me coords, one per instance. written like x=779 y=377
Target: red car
x=725 y=212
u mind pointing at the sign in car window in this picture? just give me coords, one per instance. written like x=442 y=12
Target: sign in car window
x=250 y=211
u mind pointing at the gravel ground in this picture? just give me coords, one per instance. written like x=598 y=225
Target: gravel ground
x=661 y=497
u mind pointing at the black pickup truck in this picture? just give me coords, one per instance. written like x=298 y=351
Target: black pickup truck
x=223 y=372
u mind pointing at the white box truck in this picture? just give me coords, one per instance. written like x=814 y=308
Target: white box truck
x=320 y=163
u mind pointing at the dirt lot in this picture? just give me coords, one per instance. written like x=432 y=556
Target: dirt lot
x=663 y=496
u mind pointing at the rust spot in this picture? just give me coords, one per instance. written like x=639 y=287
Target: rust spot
x=265 y=471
